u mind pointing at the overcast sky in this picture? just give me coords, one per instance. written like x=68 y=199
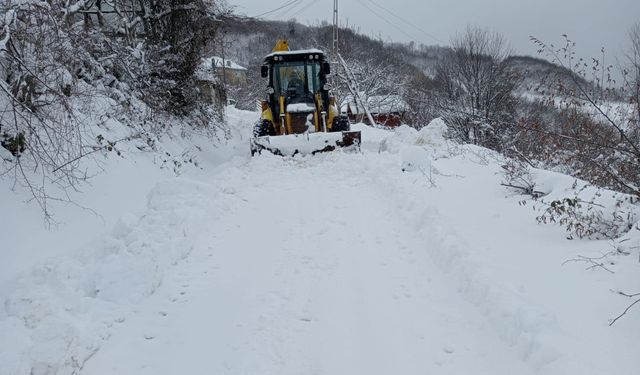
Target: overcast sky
x=592 y=24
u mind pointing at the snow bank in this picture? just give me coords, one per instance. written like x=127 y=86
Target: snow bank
x=63 y=291
x=371 y=137
x=60 y=312
x=414 y=158
x=523 y=322
x=399 y=138
x=530 y=329
x=432 y=136
x=600 y=213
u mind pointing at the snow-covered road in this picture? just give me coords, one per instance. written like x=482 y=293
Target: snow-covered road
x=406 y=258
x=311 y=272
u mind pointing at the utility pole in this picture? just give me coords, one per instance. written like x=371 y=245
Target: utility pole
x=336 y=26
x=335 y=62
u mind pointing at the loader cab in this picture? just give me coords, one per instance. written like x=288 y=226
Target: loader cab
x=298 y=103
x=297 y=76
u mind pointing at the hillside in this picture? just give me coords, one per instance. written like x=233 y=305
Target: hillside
x=251 y=39
x=539 y=74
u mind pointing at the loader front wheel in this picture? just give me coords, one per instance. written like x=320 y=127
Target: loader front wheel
x=263 y=128
x=341 y=124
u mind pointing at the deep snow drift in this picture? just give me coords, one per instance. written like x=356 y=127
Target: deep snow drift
x=408 y=257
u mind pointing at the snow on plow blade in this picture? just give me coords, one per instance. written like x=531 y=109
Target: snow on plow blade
x=305 y=144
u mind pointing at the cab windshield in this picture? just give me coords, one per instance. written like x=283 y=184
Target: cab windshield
x=296 y=81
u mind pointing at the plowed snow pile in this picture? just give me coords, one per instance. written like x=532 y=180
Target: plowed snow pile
x=406 y=258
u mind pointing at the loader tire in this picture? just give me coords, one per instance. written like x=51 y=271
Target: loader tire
x=341 y=124
x=263 y=128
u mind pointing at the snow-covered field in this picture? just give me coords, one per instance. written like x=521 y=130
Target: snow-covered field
x=406 y=258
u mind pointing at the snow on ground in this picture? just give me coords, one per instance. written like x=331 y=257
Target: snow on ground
x=620 y=113
x=408 y=257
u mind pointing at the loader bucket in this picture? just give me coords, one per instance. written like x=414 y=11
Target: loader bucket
x=305 y=144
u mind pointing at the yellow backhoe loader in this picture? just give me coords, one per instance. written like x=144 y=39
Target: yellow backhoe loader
x=299 y=116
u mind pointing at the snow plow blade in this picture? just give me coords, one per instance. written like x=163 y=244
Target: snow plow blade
x=305 y=144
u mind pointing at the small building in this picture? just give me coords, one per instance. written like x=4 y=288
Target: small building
x=209 y=86
x=386 y=110
x=229 y=72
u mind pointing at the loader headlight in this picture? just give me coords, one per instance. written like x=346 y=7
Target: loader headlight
x=270 y=90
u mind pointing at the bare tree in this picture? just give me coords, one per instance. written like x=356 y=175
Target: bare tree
x=476 y=86
x=373 y=77
x=53 y=57
x=38 y=122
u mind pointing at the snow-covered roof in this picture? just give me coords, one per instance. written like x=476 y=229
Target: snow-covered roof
x=206 y=71
x=219 y=62
x=376 y=104
x=296 y=52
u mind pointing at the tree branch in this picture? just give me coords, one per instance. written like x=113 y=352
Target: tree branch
x=625 y=310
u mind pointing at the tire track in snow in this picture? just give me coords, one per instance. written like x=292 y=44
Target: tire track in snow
x=314 y=273
x=529 y=330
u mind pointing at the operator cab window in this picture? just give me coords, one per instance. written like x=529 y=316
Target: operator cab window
x=296 y=81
